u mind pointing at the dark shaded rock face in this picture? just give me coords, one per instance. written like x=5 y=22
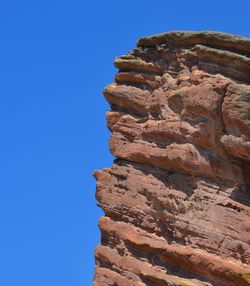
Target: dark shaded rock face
x=177 y=199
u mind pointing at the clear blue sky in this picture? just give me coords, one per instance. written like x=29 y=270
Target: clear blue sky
x=55 y=59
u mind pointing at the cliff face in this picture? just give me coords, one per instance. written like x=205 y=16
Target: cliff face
x=177 y=199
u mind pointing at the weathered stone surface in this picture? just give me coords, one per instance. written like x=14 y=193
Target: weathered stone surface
x=177 y=198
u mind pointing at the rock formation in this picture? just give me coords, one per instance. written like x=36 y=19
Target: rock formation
x=177 y=198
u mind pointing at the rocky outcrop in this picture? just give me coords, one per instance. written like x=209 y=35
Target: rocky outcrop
x=177 y=198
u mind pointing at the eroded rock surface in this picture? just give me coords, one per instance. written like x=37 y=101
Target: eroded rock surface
x=177 y=199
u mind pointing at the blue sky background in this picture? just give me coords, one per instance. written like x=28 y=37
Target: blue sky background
x=55 y=59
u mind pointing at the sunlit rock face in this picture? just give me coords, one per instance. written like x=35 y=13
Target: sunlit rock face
x=177 y=198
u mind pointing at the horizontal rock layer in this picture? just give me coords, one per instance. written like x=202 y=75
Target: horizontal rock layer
x=177 y=198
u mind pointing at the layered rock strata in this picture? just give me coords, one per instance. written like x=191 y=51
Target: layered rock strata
x=177 y=198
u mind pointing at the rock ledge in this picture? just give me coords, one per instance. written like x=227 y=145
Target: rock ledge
x=177 y=198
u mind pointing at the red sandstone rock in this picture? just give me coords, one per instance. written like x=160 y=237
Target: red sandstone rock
x=177 y=199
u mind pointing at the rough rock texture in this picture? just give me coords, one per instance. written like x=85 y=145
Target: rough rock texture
x=177 y=199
